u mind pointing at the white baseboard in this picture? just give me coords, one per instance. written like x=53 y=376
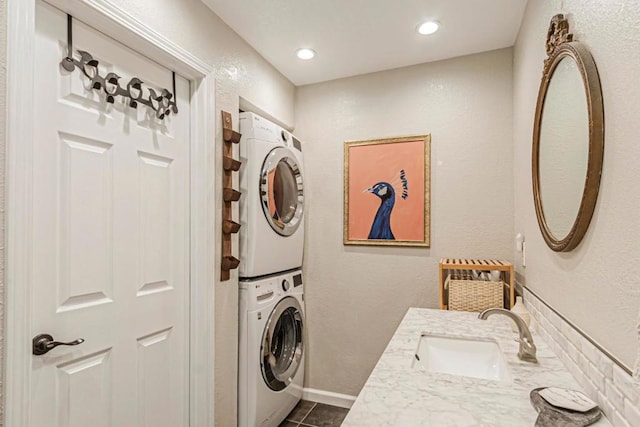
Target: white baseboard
x=328 y=397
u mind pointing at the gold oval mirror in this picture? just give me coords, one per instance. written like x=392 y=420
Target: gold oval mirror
x=568 y=140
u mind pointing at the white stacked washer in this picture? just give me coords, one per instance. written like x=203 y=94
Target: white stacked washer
x=272 y=201
x=271 y=362
x=271 y=356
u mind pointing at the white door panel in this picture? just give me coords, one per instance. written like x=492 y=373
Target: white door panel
x=110 y=238
x=87 y=376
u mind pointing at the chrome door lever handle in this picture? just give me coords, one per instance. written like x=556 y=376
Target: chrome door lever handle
x=44 y=342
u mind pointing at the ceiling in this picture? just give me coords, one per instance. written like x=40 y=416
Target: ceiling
x=354 y=37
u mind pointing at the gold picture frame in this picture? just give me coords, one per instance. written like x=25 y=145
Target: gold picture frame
x=398 y=171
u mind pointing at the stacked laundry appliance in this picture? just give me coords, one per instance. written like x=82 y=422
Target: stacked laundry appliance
x=271 y=345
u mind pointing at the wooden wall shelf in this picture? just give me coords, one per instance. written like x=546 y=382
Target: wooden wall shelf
x=475 y=264
x=229 y=196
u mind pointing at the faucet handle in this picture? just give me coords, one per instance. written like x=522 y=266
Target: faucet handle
x=527 y=351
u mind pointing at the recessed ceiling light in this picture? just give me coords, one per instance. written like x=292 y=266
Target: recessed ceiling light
x=428 y=27
x=305 y=53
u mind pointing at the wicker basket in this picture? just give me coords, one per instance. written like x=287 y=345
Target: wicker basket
x=474 y=295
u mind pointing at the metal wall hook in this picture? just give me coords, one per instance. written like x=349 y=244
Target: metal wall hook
x=67 y=63
x=161 y=102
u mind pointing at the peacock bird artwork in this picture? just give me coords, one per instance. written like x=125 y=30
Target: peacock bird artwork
x=381 y=226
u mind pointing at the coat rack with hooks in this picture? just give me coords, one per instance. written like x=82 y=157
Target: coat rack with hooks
x=162 y=102
x=229 y=195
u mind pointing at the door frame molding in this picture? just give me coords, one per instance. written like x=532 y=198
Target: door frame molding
x=116 y=23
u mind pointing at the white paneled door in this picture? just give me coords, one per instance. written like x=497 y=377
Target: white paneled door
x=110 y=261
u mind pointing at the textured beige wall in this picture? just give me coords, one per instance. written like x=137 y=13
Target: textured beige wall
x=595 y=286
x=240 y=71
x=356 y=296
x=3 y=91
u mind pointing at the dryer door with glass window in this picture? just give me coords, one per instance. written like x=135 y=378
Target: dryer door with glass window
x=281 y=191
x=282 y=347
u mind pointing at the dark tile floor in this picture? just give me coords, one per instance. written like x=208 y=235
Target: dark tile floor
x=312 y=414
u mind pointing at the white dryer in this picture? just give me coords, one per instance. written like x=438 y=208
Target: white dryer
x=271 y=349
x=272 y=201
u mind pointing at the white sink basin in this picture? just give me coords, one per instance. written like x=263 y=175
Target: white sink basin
x=469 y=357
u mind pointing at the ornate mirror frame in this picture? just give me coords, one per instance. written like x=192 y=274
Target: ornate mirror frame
x=560 y=45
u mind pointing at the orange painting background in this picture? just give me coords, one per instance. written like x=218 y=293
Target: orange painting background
x=370 y=164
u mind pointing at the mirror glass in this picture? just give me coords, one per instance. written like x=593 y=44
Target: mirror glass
x=564 y=147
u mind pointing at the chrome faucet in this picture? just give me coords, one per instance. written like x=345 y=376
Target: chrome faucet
x=527 y=351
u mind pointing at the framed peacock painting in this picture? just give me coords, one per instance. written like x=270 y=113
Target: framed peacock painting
x=387 y=191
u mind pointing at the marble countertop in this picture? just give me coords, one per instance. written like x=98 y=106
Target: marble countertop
x=396 y=394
